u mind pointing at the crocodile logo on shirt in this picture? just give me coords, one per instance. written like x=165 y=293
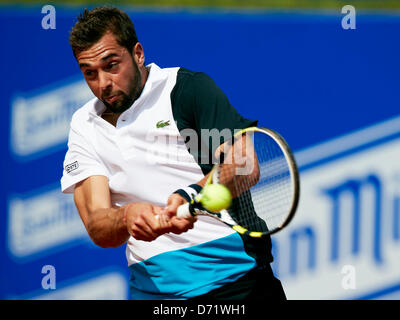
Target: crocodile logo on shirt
x=161 y=124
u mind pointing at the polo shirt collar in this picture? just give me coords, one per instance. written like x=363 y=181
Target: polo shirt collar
x=155 y=78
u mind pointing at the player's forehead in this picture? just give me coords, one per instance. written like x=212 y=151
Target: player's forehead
x=105 y=47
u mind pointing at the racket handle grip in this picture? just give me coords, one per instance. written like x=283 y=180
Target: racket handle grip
x=183 y=211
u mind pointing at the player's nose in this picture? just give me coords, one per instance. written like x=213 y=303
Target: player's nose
x=105 y=82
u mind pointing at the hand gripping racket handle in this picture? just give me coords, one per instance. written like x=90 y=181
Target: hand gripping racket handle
x=183 y=211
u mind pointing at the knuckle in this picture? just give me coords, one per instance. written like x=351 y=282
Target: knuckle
x=138 y=221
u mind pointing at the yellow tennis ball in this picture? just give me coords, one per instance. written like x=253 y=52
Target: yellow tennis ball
x=216 y=197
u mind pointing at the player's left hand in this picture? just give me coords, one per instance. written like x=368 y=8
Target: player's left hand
x=177 y=225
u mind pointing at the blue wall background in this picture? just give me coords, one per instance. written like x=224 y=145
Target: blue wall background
x=299 y=73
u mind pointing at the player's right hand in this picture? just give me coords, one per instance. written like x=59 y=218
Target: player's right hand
x=142 y=221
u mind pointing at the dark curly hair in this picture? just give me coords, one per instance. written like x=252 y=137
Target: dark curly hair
x=94 y=24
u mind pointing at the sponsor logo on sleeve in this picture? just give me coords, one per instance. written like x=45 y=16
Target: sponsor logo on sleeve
x=72 y=166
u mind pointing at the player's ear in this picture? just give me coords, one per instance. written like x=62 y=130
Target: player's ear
x=138 y=54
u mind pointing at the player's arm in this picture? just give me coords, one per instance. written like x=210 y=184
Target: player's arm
x=110 y=226
x=174 y=201
x=242 y=159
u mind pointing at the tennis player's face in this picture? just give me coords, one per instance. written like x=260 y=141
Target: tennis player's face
x=112 y=73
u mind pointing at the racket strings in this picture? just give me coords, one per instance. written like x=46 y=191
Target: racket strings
x=263 y=194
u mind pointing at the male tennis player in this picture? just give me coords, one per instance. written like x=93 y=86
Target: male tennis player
x=135 y=153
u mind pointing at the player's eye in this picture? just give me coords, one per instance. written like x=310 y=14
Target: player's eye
x=89 y=73
x=111 y=65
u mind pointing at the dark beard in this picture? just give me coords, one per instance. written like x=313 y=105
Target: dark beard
x=127 y=99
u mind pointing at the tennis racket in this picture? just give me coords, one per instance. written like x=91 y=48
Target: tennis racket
x=260 y=172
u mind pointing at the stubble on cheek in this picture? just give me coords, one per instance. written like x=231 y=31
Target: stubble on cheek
x=126 y=99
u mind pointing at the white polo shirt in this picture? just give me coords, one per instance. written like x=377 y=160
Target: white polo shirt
x=146 y=159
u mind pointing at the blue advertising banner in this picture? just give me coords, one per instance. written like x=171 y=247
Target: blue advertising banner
x=330 y=88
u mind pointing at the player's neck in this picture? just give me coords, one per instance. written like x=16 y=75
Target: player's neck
x=110 y=116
